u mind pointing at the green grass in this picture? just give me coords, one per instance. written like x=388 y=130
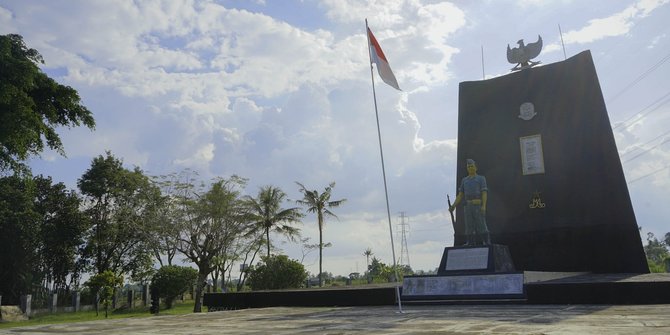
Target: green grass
x=139 y=312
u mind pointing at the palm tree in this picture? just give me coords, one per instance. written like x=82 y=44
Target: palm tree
x=367 y=254
x=319 y=204
x=265 y=213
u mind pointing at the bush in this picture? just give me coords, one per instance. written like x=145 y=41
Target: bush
x=172 y=280
x=105 y=284
x=277 y=272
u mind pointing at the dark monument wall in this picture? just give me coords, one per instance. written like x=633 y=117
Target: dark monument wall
x=587 y=223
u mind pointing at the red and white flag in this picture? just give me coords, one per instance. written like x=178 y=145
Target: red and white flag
x=383 y=68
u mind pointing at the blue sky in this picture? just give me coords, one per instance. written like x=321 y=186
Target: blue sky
x=280 y=91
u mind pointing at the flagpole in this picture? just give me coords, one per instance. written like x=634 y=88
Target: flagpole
x=381 y=152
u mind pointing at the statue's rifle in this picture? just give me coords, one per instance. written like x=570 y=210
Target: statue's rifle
x=453 y=222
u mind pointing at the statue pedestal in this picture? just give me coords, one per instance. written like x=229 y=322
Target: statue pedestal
x=464 y=260
x=481 y=272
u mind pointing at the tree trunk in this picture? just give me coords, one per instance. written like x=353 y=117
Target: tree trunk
x=267 y=236
x=197 y=307
x=320 y=218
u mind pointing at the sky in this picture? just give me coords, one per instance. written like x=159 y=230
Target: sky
x=281 y=91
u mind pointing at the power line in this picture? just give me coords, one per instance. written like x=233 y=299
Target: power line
x=637 y=116
x=645 y=151
x=639 y=78
x=649 y=174
x=652 y=140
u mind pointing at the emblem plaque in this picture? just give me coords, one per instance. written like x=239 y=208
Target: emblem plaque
x=527 y=111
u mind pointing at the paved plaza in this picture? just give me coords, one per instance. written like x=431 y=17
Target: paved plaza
x=436 y=319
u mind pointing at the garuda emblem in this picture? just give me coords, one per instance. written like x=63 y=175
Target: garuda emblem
x=522 y=55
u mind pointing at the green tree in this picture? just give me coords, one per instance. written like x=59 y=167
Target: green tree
x=277 y=272
x=320 y=204
x=211 y=225
x=105 y=284
x=41 y=229
x=19 y=234
x=173 y=280
x=117 y=202
x=62 y=227
x=162 y=228
x=367 y=253
x=32 y=105
x=657 y=253
x=266 y=214
x=378 y=269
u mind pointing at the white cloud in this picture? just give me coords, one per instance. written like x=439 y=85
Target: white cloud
x=615 y=25
x=655 y=41
x=176 y=84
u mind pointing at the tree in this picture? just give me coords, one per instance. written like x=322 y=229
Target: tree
x=307 y=248
x=32 y=105
x=105 y=284
x=319 y=204
x=61 y=230
x=41 y=229
x=172 y=280
x=19 y=234
x=117 y=204
x=210 y=226
x=656 y=252
x=277 y=272
x=266 y=214
x=367 y=253
x=163 y=228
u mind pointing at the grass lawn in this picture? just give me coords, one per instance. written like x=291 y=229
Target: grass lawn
x=139 y=312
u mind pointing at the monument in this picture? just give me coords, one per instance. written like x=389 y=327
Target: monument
x=557 y=199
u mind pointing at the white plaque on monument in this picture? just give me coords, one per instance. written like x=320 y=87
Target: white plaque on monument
x=467 y=259
x=532 y=157
x=471 y=285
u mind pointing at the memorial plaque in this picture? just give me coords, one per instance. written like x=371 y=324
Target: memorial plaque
x=466 y=285
x=532 y=158
x=467 y=259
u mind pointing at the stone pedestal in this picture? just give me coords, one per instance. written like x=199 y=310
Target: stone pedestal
x=462 y=260
x=26 y=302
x=131 y=298
x=481 y=272
x=145 y=295
x=76 y=301
x=53 y=302
x=115 y=299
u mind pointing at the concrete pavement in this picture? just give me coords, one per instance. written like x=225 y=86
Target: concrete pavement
x=435 y=319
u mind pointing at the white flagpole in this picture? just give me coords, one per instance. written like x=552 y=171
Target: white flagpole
x=381 y=152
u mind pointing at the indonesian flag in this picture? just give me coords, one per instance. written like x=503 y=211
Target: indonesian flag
x=377 y=56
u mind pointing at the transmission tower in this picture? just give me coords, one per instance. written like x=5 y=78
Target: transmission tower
x=404 y=230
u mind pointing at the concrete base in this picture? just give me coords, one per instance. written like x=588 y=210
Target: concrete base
x=490 y=286
x=538 y=288
x=475 y=260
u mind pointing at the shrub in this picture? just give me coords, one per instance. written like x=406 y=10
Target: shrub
x=277 y=272
x=105 y=284
x=172 y=280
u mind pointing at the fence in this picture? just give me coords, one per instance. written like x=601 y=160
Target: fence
x=44 y=302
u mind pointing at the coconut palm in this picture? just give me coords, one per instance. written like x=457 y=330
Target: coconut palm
x=266 y=214
x=367 y=254
x=319 y=204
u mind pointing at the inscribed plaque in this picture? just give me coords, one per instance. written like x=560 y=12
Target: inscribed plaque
x=532 y=157
x=467 y=259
